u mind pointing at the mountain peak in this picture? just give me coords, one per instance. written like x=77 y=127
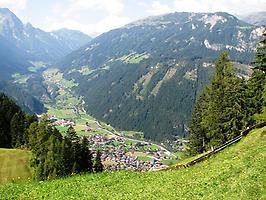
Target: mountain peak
x=184 y=17
x=8 y=18
x=5 y=10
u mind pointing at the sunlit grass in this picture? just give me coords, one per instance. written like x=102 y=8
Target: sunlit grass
x=237 y=172
x=14 y=165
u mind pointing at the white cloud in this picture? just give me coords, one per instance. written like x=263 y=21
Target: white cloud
x=112 y=7
x=157 y=8
x=103 y=25
x=70 y=18
x=232 y=6
x=14 y=5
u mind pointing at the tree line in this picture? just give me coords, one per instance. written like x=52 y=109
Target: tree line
x=229 y=103
x=52 y=154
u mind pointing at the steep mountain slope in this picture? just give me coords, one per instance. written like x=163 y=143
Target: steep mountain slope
x=237 y=172
x=258 y=18
x=12 y=60
x=38 y=44
x=24 y=99
x=71 y=38
x=24 y=51
x=146 y=75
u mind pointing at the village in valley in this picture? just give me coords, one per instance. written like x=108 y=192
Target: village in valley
x=121 y=150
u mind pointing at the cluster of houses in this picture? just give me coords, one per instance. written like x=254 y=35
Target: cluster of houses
x=60 y=122
x=117 y=154
x=179 y=144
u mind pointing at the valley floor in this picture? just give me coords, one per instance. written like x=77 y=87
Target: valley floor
x=237 y=172
x=121 y=150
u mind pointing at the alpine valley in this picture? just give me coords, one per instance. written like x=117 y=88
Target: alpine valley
x=144 y=76
x=25 y=52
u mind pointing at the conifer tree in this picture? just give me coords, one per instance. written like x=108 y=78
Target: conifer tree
x=71 y=134
x=260 y=59
x=32 y=134
x=198 y=137
x=54 y=161
x=86 y=157
x=98 y=166
x=17 y=129
x=67 y=155
x=40 y=149
x=219 y=113
x=8 y=109
x=257 y=83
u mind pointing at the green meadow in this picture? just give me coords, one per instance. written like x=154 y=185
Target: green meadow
x=237 y=172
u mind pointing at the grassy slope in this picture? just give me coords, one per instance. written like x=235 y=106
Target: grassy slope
x=236 y=173
x=14 y=165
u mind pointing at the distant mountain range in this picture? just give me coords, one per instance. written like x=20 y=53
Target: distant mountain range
x=25 y=49
x=146 y=75
x=38 y=44
x=258 y=18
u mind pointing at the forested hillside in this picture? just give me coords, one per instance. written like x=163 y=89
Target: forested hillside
x=146 y=75
x=23 y=98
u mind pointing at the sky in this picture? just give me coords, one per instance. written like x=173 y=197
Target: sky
x=94 y=17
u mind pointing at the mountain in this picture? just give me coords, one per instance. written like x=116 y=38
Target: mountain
x=38 y=44
x=258 y=18
x=24 y=99
x=71 y=38
x=146 y=75
x=12 y=60
x=25 y=50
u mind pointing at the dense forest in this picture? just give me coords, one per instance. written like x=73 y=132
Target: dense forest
x=229 y=104
x=52 y=154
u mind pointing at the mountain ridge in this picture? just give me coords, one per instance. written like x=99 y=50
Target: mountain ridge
x=257 y=18
x=40 y=45
x=25 y=52
x=146 y=75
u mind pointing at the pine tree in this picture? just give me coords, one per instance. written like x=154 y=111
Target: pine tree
x=98 y=166
x=86 y=157
x=71 y=134
x=54 y=161
x=219 y=113
x=198 y=137
x=67 y=154
x=8 y=109
x=32 y=134
x=257 y=83
x=40 y=148
x=260 y=59
x=17 y=129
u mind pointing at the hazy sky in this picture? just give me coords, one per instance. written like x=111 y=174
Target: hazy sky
x=96 y=16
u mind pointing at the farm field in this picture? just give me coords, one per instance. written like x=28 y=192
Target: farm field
x=14 y=165
x=237 y=172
